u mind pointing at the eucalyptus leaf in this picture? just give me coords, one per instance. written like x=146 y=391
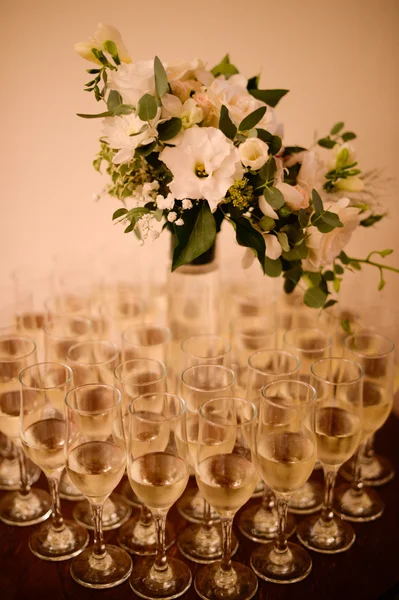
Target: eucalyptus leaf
x=298 y=253
x=169 y=129
x=252 y=119
x=283 y=239
x=267 y=223
x=314 y=297
x=303 y=218
x=270 y=97
x=337 y=128
x=326 y=142
x=108 y=113
x=114 y=99
x=273 y=197
x=161 y=78
x=348 y=135
x=119 y=213
x=226 y=125
x=273 y=268
x=147 y=107
x=317 y=203
x=329 y=303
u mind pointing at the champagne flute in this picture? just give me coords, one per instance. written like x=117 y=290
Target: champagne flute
x=286 y=453
x=259 y=522
x=60 y=333
x=121 y=308
x=202 y=541
x=208 y=349
x=95 y=362
x=43 y=431
x=375 y=353
x=26 y=506
x=339 y=417
x=226 y=475
x=158 y=474
x=95 y=462
x=309 y=344
x=135 y=378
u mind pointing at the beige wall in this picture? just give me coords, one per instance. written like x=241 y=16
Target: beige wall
x=339 y=59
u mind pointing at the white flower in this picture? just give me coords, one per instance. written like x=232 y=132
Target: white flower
x=324 y=247
x=126 y=133
x=103 y=34
x=350 y=184
x=273 y=246
x=254 y=153
x=184 y=71
x=187 y=204
x=311 y=175
x=167 y=202
x=203 y=166
x=189 y=113
x=132 y=81
x=172 y=216
x=341 y=156
x=179 y=222
x=295 y=197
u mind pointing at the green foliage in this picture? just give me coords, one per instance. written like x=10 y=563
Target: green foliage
x=273 y=268
x=226 y=125
x=348 y=136
x=326 y=142
x=314 y=297
x=267 y=223
x=224 y=68
x=283 y=239
x=169 y=129
x=270 y=97
x=252 y=119
x=147 y=108
x=273 y=197
x=249 y=237
x=371 y=220
x=195 y=237
x=161 y=78
x=337 y=128
x=292 y=277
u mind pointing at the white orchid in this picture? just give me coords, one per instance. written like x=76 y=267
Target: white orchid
x=188 y=111
x=104 y=33
x=126 y=133
x=203 y=166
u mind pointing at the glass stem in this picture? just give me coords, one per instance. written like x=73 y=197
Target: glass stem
x=281 y=545
x=24 y=489
x=267 y=499
x=161 y=561
x=145 y=516
x=207 y=515
x=327 y=514
x=357 y=484
x=227 y=530
x=56 y=514
x=99 y=550
x=369 y=448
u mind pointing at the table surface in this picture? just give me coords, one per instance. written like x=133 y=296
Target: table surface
x=368 y=571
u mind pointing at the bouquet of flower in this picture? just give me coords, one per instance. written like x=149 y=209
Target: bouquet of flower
x=186 y=147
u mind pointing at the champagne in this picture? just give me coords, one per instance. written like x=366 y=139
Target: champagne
x=338 y=434
x=221 y=442
x=96 y=468
x=286 y=460
x=30 y=324
x=158 y=479
x=148 y=437
x=43 y=443
x=377 y=404
x=10 y=401
x=226 y=481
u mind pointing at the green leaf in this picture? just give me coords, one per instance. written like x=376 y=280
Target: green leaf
x=267 y=223
x=253 y=83
x=226 y=125
x=110 y=47
x=283 y=239
x=292 y=277
x=344 y=258
x=386 y=252
x=264 y=135
x=270 y=97
x=224 y=68
x=356 y=265
x=249 y=237
x=371 y=220
x=382 y=283
x=329 y=276
x=348 y=135
x=337 y=128
x=303 y=218
x=337 y=284
x=317 y=203
x=330 y=303
x=275 y=144
x=114 y=99
x=123 y=109
x=252 y=119
x=192 y=242
x=161 y=78
x=119 y=213
x=109 y=113
x=327 y=221
x=147 y=107
x=326 y=142
x=338 y=270
x=274 y=197
x=266 y=173
x=298 y=253
x=346 y=326
x=146 y=149
x=273 y=268
x=314 y=297
x=134 y=216
x=169 y=129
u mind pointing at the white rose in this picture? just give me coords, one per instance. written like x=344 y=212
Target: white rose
x=295 y=197
x=324 y=247
x=254 y=153
x=133 y=81
x=103 y=34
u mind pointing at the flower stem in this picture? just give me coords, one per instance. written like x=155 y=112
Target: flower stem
x=375 y=264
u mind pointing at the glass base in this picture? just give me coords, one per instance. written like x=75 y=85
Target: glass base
x=358 y=507
x=375 y=471
x=10 y=476
x=136 y=538
x=240 y=584
x=307 y=500
x=112 y=570
x=288 y=567
x=191 y=507
x=116 y=512
x=22 y=511
x=67 y=490
x=204 y=545
x=148 y=583
x=338 y=536
x=128 y=494
x=260 y=525
x=259 y=489
x=49 y=544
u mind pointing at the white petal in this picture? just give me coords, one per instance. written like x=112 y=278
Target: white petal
x=266 y=208
x=273 y=247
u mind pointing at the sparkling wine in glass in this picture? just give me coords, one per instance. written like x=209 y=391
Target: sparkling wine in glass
x=43 y=433
x=226 y=474
x=158 y=473
x=95 y=462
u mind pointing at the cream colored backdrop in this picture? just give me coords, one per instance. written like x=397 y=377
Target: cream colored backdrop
x=339 y=59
